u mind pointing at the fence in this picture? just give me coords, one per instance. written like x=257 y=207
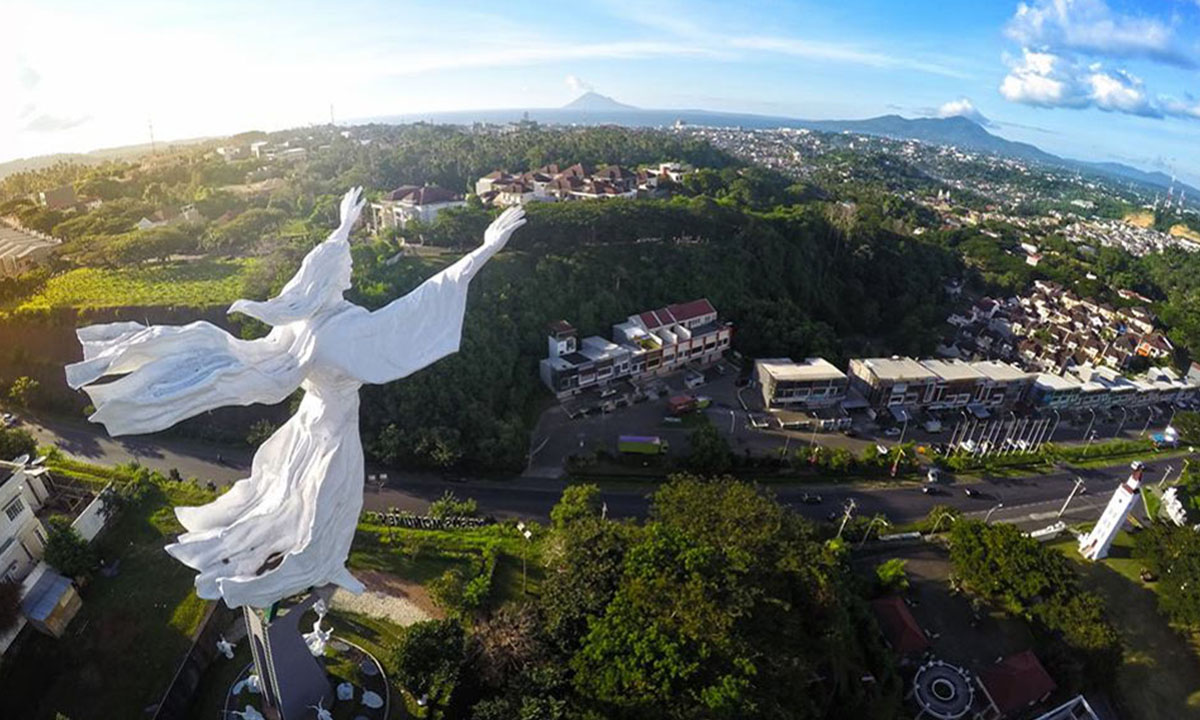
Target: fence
x=91 y=520
x=176 y=703
x=423 y=522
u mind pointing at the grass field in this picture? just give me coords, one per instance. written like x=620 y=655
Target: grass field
x=196 y=283
x=1160 y=677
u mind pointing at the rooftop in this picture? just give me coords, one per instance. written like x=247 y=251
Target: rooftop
x=999 y=371
x=1056 y=382
x=810 y=369
x=952 y=370
x=900 y=369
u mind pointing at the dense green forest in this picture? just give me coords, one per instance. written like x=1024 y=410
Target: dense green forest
x=675 y=618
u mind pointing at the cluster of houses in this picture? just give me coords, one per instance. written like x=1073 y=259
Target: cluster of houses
x=1052 y=329
x=905 y=386
x=1126 y=236
x=552 y=184
x=22 y=249
x=647 y=344
x=48 y=599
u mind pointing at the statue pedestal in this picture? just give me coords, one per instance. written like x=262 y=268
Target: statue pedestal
x=292 y=680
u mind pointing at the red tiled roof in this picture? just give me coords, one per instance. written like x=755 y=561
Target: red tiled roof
x=694 y=309
x=1016 y=682
x=426 y=195
x=899 y=626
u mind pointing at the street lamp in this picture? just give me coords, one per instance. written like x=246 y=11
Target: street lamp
x=1149 y=417
x=1078 y=484
x=938 y=523
x=987 y=517
x=866 y=533
x=1090 y=424
x=904 y=429
x=1088 y=447
x=1124 y=417
x=850 y=506
x=528 y=535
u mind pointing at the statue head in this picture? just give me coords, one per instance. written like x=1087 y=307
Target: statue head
x=322 y=278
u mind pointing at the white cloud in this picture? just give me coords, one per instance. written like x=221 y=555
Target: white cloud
x=963 y=107
x=1044 y=79
x=577 y=85
x=1091 y=26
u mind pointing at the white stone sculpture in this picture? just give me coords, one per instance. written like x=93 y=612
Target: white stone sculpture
x=345 y=691
x=225 y=648
x=250 y=683
x=318 y=638
x=372 y=699
x=248 y=714
x=287 y=527
x=322 y=713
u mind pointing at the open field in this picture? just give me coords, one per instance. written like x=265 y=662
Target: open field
x=1184 y=231
x=1160 y=676
x=197 y=283
x=1142 y=219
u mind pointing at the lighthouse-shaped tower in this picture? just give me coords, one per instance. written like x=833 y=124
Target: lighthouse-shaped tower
x=1095 y=545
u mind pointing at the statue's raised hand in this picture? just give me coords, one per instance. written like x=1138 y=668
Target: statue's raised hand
x=503 y=227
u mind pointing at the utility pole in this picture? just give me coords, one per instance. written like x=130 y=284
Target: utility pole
x=1078 y=484
x=1167 y=474
x=850 y=506
x=153 y=148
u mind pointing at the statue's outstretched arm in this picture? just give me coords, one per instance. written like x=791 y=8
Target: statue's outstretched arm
x=421 y=327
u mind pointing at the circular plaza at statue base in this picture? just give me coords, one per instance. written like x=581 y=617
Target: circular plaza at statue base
x=360 y=687
x=943 y=691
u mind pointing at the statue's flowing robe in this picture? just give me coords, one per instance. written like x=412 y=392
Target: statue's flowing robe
x=288 y=526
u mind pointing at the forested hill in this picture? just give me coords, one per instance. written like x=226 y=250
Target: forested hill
x=792 y=281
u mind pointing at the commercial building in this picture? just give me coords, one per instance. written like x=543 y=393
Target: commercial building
x=813 y=383
x=956 y=385
x=655 y=342
x=892 y=382
x=1055 y=392
x=1003 y=386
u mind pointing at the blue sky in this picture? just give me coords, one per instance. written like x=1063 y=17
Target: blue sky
x=1094 y=79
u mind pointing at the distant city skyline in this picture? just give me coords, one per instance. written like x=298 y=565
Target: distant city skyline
x=1089 y=79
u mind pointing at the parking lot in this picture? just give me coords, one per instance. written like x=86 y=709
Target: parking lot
x=594 y=421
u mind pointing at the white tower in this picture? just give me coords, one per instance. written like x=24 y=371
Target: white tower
x=1095 y=545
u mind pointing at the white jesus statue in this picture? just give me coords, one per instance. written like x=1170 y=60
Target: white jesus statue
x=288 y=526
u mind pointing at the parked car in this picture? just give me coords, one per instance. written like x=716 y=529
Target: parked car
x=9 y=419
x=972 y=493
x=892 y=432
x=931 y=490
x=810 y=499
x=934 y=475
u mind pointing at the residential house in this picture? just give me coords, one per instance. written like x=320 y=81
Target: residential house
x=411 y=202
x=57 y=199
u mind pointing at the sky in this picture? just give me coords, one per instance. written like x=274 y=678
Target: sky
x=1090 y=79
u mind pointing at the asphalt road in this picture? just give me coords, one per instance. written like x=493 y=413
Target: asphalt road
x=1030 y=502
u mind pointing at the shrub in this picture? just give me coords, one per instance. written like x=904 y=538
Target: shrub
x=429 y=656
x=449 y=505
x=10 y=604
x=66 y=550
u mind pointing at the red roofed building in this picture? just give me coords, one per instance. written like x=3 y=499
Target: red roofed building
x=412 y=202
x=899 y=627
x=1015 y=683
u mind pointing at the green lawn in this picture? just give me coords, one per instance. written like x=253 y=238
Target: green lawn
x=120 y=652
x=1160 y=676
x=196 y=283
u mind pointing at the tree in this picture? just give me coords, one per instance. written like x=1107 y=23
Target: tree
x=891 y=576
x=15 y=442
x=577 y=502
x=710 y=451
x=24 y=391
x=724 y=601
x=429 y=656
x=1173 y=553
x=66 y=550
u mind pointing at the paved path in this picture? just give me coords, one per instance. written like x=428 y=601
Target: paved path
x=1031 y=502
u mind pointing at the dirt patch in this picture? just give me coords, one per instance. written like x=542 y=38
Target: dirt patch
x=390 y=598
